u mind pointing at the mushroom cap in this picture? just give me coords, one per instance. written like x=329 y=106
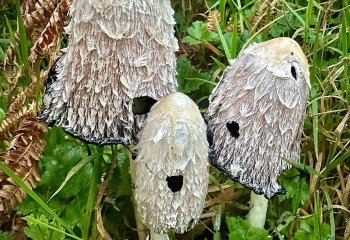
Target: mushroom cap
x=256 y=112
x=172 y=165
x=118 y=52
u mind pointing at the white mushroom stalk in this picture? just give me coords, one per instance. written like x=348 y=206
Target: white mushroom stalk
x=172 y=166
x=257 y=213
x=255 y=117
x=120 y=59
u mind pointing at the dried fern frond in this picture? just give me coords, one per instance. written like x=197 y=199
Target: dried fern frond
x=28 y=6
x=10 y=55
x=16 y=112
x=264 y=12
x=48 y=38
x=36 y=14
x=35 y=19
x=213 y=16
x=18 y=225
x=22 y=156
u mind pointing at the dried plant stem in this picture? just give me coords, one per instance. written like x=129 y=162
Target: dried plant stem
x=257 y=213
x=141 y=229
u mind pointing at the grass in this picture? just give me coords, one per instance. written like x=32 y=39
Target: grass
x=316 y=205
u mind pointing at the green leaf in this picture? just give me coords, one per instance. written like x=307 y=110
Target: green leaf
x=6 y=235
x=189 y=78
x=2 y=114
x=190 y=40
x=296 y=187
x=56 y=165
x=74 y=171
x=45 y=229
x=277 y=30
x=200 y=31
x=62 y=153
x=241 y=230
x=123 y=175
x=31 y=193
x=301 y=195
x=306 y=230
x=302 y=167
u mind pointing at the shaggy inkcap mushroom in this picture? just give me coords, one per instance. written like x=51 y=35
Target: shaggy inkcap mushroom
x=172 y=165
x=256 y=112
x=119 y=60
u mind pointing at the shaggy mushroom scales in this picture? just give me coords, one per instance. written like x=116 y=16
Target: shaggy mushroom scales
x=120 y=60
x=255 y=118
x=172 y=165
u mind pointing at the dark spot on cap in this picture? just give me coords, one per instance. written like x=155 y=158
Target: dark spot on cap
x=291 y=53
x=210 y=137
x=133 y=155
x=142 y=105
x=51 y=123
x=233 y=128
x=175 y=183
x=294 y=72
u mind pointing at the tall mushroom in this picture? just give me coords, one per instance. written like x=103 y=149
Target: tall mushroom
x=172 y=165
x=255 y=117
x=119 y=60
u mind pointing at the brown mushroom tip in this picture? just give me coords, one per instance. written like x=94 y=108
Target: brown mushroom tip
x=178 y=105
x=278 y=49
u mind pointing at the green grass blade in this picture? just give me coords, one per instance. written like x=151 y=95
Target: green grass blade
x=223 y=40
x=295 y=14
x=302 y=167
x=2 y=54
x=217 y=223
x=314 y=106
x=32 y=194
x=345 y=49
x=308 y=18
x=33 y=220
x=265 y=27
x=13 y=39
x=74 y=170
x=336 y=162
x=241 y=15
x=92 y=197
x=234 y=38
x=220 y=64
x=203 y=80
x=23 y=42
x=317 y=217
x=331 y=215
x=222 y=11
x=5 y=41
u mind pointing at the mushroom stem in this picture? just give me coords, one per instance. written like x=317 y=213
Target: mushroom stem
x=257 y=212
x=141 y=229
x=159 y=236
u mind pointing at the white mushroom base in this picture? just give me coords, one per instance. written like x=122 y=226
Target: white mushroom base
x=258 y=208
